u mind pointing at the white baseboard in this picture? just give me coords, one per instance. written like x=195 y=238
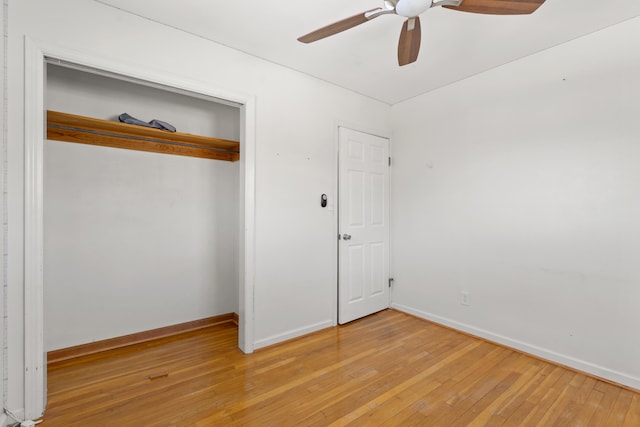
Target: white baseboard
x=552 y=356
x=275 y=339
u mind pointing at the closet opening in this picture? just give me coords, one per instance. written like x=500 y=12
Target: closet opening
x=140 y=234
x=37 y=56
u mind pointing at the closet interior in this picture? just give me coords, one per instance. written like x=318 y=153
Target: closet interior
x=140 y=223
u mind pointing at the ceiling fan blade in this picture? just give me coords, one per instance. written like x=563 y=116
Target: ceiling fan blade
x=338 y=27
x=409 y=43
x=498 y=7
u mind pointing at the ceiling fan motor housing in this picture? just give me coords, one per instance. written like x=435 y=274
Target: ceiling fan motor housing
x=411 y=8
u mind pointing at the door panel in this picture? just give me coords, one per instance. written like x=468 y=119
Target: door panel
x=363 y=224
x=378 y=280
x=356 y=273
x=356 y=198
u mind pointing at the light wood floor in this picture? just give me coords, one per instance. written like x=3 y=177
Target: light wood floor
x=388 y=369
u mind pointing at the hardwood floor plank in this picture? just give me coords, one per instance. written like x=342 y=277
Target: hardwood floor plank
x=495 y=402
x=632 y=418
x=399 y=372
x=389 y=369
x=546 y=402
x=402 y=369
x=510 y=407
x=579 y=391
x=473 y=388
x=558 y=410
x=619 y=410
x=610 y=396
x=363 y=409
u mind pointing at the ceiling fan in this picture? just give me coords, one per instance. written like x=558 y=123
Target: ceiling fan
x=409 y=43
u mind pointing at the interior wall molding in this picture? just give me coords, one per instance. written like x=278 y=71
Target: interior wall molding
x=293 y=334
x=63 y=354
x=34 y=366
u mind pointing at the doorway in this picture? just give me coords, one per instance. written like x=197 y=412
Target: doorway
x=363 y=240
x=35 y=57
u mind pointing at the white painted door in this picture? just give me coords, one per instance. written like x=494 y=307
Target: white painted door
x=363 y=246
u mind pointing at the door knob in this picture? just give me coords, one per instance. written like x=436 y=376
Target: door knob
x=346 y=236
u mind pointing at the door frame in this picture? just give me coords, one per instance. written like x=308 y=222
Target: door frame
x=36 y=54
x=383 y=133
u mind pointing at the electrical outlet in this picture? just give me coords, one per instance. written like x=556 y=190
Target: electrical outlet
x=464 y=298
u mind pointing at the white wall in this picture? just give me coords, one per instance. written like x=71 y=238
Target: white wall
x=84 y=93
x=296 y=121
x=134 y=240
x=521 y=186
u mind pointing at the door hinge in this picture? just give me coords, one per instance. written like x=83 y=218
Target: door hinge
x=389 y=160
x=390 y=281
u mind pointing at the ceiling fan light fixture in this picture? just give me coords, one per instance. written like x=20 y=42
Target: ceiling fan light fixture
x=411 y=8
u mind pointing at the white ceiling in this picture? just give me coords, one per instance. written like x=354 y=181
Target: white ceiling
x=455 y=45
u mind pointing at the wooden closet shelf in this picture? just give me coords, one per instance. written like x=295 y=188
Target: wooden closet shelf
x=87 y=130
